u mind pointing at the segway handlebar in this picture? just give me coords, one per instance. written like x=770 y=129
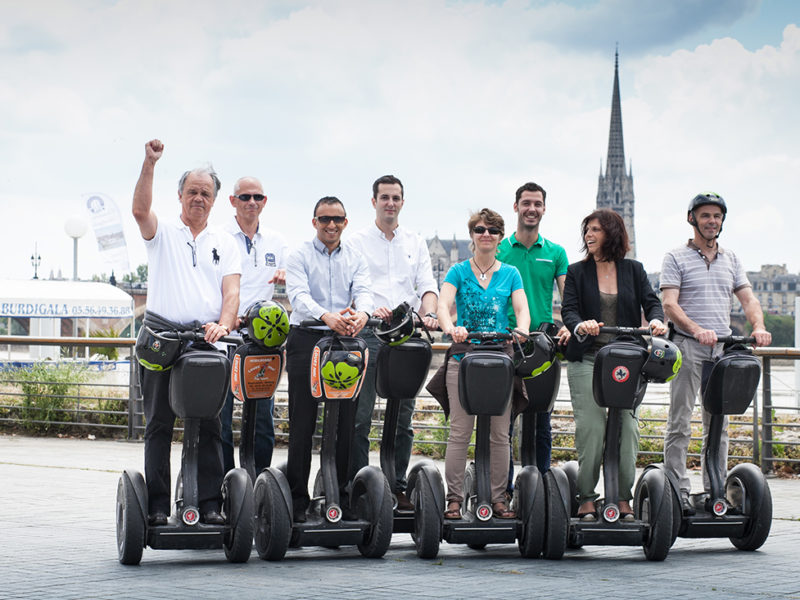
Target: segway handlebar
x=626 y=330
x=489 y=336
x=198 y=335
x=319 y=324
x=736 y=339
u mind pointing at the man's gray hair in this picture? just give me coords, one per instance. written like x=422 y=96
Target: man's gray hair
x=207 y=170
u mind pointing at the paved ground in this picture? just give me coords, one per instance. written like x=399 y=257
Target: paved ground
x=57 y=540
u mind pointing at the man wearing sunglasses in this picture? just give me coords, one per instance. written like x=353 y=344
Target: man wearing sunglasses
x=263 y=254
x=400 y=269
x=193 y=277
x=540 y=262
x=329 y=280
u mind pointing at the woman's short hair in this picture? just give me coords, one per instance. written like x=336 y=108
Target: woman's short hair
x=616 y=244
x=488 y=216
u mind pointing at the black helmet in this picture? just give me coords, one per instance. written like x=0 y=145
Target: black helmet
x=399 y=329
x=663 y=362
x=535 y=356
x=702 y=200
x=156 y=352
x=267 y=323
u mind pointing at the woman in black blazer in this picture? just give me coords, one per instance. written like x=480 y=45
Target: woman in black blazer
x=603 y=289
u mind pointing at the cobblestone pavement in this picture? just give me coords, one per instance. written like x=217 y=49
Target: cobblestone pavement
x=57 y=537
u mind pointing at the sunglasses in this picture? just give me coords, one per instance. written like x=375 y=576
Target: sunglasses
x=326 y=219
x=480 y=230
x=247 y=197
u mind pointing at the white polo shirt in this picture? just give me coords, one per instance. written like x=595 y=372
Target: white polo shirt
x=400 y=268
x=260 y=258
x=184 y=275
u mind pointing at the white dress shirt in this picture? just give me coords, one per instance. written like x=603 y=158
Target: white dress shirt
x=400 y=268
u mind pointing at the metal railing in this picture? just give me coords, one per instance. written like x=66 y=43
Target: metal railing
x=758 y=444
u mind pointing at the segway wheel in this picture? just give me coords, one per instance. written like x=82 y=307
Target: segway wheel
x=557 y=520
x=427 y=519
x=571 y=471
x=743 y=485
x=470 y=487
x=659 y=540
x=379 y=512
x=238 y=506
x=531 y=540
x=273 y=523
x=130 y=524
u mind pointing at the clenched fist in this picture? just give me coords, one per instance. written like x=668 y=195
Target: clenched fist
x=153 y=150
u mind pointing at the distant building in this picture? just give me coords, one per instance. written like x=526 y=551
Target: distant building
x=445 y=254
x=775 y=289
x=615 y=188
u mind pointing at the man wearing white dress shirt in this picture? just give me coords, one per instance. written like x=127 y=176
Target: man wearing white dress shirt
x=328 y=280
x=400 y=269
x=263 y=256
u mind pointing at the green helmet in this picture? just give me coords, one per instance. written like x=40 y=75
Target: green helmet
x=267 y=323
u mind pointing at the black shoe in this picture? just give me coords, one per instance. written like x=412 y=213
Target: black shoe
x=403 y=503
x=212 y=517
x=157 y=519
x=686 y=504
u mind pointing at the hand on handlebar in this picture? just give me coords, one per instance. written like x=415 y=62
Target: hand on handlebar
x=459 y=334
x=763 y=337
x=657 y=327
x=589 y=327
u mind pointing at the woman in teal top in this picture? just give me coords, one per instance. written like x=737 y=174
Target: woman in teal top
x=482 y=289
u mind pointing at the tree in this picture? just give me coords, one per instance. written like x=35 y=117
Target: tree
x=782 y=329
x=138 y=276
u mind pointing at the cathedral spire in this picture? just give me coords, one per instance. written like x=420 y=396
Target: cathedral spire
x=615 y=188
x=615 y=162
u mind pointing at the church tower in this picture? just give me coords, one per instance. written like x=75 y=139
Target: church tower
x=615 y=188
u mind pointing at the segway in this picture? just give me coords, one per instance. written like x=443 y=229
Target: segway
x=540 y=370
x=404 y=359
x=335 y=378
x=622 y=370
x=257 y=368
x=486 y=377
x=738 y=506
x=197 y=390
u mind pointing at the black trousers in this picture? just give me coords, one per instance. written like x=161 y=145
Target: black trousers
x=303 y=417
x=158 y=441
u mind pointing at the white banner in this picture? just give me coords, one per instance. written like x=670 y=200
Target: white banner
x=107 y=225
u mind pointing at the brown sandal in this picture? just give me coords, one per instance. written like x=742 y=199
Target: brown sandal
x=501 y=511
x=453 y=510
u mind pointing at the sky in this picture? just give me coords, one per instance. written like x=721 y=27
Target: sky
x=463 y=100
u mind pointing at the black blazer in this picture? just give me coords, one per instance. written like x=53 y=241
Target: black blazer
x=582 y=299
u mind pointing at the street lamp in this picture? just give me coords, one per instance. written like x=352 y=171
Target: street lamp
x=36 y=260
x=75 y=228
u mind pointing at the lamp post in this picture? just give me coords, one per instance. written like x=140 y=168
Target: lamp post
x=75 y=228
x=36 y=260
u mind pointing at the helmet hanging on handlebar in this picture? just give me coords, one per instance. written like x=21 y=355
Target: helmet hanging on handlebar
x=535 y=356
x=399 y=329
x=267 y=323
x=664 y=361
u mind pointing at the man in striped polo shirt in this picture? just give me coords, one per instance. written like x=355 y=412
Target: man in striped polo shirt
x=698 y=282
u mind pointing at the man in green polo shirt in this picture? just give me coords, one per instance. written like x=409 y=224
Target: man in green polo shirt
x=540 y=262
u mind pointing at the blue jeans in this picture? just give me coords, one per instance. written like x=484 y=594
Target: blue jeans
x=265 y=434
x=404 y=437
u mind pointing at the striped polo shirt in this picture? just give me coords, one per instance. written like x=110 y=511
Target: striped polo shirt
x=706 y=288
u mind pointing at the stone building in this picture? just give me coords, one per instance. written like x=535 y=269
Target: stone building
x=775 y=288
x=615 y=187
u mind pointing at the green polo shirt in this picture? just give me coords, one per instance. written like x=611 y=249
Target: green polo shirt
x=539 y=266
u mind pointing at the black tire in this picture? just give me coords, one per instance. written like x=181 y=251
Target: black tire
x=557 y=521
x=739 y=487
x=381 y=516
x=238 y=506
x=659 y=540
x=531 y=540
x=272 y=522
x=427 y=519
x=130 y=524
x=571 y=470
